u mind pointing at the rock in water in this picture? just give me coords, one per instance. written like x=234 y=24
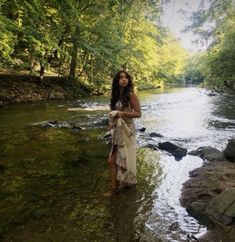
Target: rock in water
x=222 y=207
x=175 y=150
x=105 y=135
x=229 y=151
x=142 y=129
x=155 y=135
x=48 y=125
x=151 y=146
x=208 y=153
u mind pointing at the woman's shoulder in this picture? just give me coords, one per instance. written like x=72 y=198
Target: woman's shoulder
x=133 y=99
x=133 y=96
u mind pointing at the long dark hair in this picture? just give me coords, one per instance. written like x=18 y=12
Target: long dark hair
x=116 y=90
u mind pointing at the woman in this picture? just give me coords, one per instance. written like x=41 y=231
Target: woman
x=125 y=106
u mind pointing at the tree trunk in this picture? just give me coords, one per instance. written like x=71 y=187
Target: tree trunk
x=42 y=69
x=73 y=63
x=31 y=63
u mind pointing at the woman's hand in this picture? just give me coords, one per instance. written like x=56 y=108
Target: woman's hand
x=110 y=126
x=120 y=114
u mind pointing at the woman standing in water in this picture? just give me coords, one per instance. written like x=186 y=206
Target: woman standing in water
x=124 y=107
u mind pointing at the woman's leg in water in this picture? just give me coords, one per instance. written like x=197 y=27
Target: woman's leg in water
x=113 y=168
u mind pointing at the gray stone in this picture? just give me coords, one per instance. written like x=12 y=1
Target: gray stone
x=222 y=207
x=175 y=150
x=229 y=151
x=48 y=125
x=197 y=210
x=105 y=135
x=142 y=129
x=153 y=134
x=208 y=153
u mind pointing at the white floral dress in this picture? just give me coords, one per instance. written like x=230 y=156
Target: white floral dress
x=124 y=137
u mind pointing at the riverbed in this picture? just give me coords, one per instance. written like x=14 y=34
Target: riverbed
x=53 y=178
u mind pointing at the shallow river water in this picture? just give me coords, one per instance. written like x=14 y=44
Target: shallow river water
x=53 y=179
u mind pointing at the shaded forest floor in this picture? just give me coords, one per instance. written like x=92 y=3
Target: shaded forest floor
x=25 y=88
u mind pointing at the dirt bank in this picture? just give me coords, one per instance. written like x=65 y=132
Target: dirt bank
x=25 y=88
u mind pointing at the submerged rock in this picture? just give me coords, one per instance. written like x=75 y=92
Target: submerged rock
x=105 y=135
x=59 y=124
x=211 y=94
x=208 y=153
x=53 y=121
x=48 y=125
x=102 y=121
x=77 y=127
x=229 y=151
x=175 y=150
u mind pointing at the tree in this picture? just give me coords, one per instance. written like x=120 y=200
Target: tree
x=216 y=23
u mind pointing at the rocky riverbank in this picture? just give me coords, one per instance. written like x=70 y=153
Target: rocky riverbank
x=25 y=88
x=209 y=194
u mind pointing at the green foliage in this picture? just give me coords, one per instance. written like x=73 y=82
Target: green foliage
x=90 y=41
x=193 y=70
x=217 y=64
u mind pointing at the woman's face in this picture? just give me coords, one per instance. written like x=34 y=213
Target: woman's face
x=123 y=80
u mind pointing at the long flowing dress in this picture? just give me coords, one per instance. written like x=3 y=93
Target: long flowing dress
x=124 y=139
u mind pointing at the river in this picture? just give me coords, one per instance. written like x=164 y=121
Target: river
x=53 y=179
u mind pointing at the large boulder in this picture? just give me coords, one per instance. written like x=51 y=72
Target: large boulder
x=208 y=153
x=222 y=207
x=175 y=150
x=229 y=151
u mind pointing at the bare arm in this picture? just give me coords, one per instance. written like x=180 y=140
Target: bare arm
x=136 y=106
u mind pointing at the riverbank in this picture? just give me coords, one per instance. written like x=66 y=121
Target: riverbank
x=25 y=88
x=209 y=194
x=215 y=91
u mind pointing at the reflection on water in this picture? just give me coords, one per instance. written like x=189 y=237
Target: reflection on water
x=53 y=179
x=190 y=116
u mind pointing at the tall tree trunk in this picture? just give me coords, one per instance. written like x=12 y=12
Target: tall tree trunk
x=73 y=63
